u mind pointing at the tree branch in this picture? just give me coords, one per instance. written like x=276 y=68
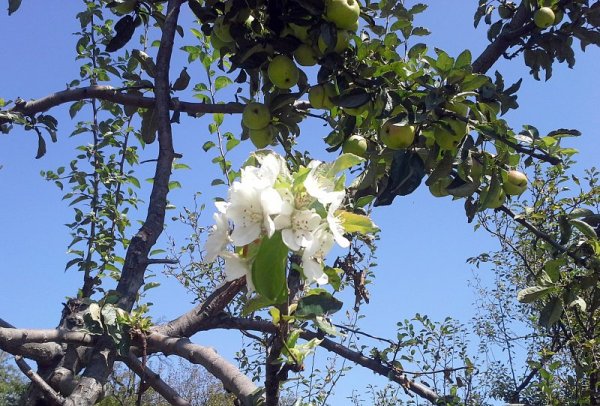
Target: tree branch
x=191 y=322
x=520 y=25
x=132 y=275
x=155 y=381
x=354 y=356
x=50 y=394
x=233 y=380
x=42 y=352
x=118 y=96
x=19 y=337
x=115 y=95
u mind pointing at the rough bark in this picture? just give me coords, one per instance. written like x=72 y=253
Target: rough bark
x=233 y=380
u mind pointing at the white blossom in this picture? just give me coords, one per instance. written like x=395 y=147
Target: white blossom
x=313 y=255
x=236 y=267
x=266 y=175
x=218 y=237
x=318 y=185
x=335 y=223
x=297 y=226
x=251 y=209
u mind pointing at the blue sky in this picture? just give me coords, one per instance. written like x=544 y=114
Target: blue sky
x=424 y=241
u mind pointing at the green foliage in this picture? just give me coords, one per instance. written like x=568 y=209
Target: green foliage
x=12 y=382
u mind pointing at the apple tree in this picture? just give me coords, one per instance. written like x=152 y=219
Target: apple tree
x=400 y=114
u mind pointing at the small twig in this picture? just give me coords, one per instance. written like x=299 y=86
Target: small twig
x=151 y=261
x=50 y=394
x=155 y=381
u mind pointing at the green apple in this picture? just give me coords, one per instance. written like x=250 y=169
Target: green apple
x=396 y=136
x=343 y=13
x=305 y=55
x=356 y=145
x=358 y=111
x=261 y=137
x=256 y=116
x=449 y=138
x=516 y=183
x=218 y=43
x=320 y=96
x=221 y=30
x=341 y=44
x=544 y=17
x=283 y=72
x=439 y=187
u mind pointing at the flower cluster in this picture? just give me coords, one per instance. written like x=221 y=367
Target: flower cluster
x=304 y=207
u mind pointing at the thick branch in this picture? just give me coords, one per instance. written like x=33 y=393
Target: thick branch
x=191 y=322
x=42 y=352
x=19 y=337
x=155 y=381
x=520 y=25
x=118 y=96
x=132 y=275
x=233 y=380
x=354 y=356
x=50 y=394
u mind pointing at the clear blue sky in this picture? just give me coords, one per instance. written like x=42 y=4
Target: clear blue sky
x=424 y=241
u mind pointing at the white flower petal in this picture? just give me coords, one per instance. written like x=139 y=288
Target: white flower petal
x=235 y=267
x=289 y=238
x=313 y=271
x=245 y=234
x=217 y=239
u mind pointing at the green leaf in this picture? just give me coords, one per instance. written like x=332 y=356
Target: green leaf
x=13 y=5
x=532 y=293
x=584 y=228
x=320 y=304
x=333 y=275
x=580 y=212
x=256 y=303
x=325 y=326
x=357 y=223
x=551 y=312
x=221 y=82
x=182 y=81
x=41 y=151
x=463 y=60
x=269 y=269
x=344 y=162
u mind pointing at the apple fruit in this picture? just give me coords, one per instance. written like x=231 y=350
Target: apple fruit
x=438 y=188
x=343 y=13
x=261 y=137
x=305 y=55
x=358 y=111
x=218 y=43
x=341 y=44
x=544 y=17
x=515 y=184
x=449 y=138
x=283 y=72
x=356 y=145
x=320 y=96
x=396 y=136
x=256 y=116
